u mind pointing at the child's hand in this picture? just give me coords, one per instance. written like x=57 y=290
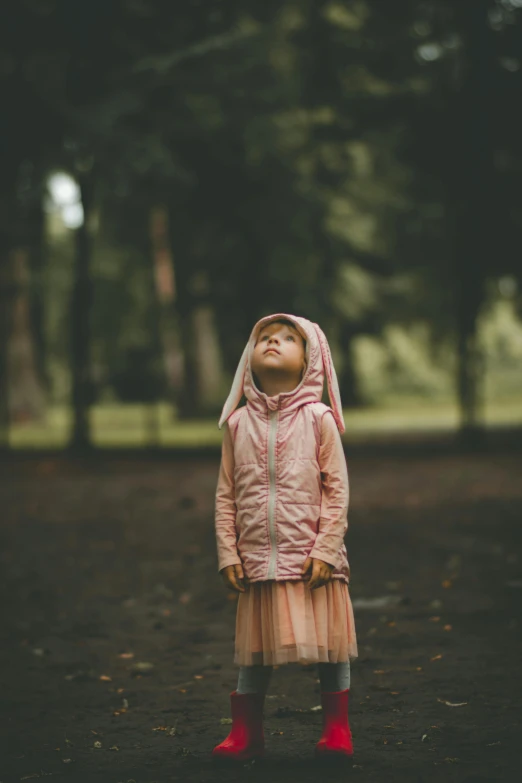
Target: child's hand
x=321 y=572
x=234 y=577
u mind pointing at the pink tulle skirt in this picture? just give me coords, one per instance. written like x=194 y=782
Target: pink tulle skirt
x=286 y=622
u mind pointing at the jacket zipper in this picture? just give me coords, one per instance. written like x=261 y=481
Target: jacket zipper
x=272 y=493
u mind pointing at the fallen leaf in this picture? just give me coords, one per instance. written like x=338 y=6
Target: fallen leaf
x=126 y=655
x=66 y=761
x=125 y=704
x=182 y=690
x=120 y=690
x=424 y=736
x=436 y=657
x=198 y=677
x=446 y=583
x=116 y=712
x=114 y=747
x=225 y=720
x=317 y=708
x=448 y=627
x=419 y=668
x=97 y=744
x=434 y=619
x=453 y=704
x=394 y=693
x=105 y=678
x=490 y=744
x=142 y=667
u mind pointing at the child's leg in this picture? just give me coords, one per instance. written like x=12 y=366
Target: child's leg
x=254 y=679
x=246 y=739
x=336 y=739
x=334 y=676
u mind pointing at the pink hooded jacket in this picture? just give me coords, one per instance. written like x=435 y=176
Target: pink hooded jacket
x=282 y=492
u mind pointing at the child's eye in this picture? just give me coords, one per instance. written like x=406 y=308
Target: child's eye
x=290 y=337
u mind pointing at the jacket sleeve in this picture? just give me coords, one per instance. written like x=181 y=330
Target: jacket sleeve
x=333 y=522
x=225 y=512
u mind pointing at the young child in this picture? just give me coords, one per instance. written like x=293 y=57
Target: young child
x=281 y=517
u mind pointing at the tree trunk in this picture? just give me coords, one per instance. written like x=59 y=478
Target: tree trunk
x=37 y=260
x=7 y=289
x=208 y=359
x=188 y=406
x=348 y=381
x=81 y=301
x=203 y=363
x=165 y=297
x=473 y=202
x=188 y=296
x=7 y=284
x=25 y=393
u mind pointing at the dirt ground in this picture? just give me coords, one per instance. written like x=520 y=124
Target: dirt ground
x=117 y=633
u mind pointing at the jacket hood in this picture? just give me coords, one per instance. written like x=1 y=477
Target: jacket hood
x=310 y=389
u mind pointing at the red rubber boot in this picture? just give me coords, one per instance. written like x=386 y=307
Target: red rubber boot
x=336 y=739
x=246 y=739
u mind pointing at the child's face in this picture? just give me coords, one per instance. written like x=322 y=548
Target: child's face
x=280 y=350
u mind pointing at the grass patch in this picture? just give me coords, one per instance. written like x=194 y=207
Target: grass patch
x=145 y=425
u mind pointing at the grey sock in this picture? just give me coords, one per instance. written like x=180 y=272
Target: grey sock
x=334 y=676
x=254 y=679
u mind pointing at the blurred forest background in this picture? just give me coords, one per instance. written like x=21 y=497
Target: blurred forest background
x=171 y=172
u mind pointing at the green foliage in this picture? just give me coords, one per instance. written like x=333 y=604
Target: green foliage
x=315 y=157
